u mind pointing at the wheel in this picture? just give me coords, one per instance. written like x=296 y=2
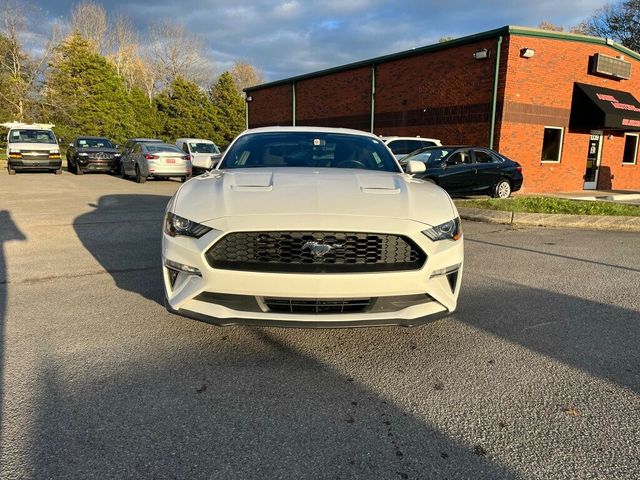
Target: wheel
x=123 y=174
x=11 y=171
x=139 y=177
x=503 y=189
x=58 y=171
x=78 y=169
x=184 y=179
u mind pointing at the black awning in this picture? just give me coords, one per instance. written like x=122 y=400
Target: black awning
x=598 y=108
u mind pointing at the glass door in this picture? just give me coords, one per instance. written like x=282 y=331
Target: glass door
x=593 y=161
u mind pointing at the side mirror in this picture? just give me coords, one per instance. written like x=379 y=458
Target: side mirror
x=117 y=147
x=71 y=145
x=414 y=166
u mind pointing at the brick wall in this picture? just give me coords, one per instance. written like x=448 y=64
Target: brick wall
x=538 y=92
x=271 y=106
x=444 y=94
x=341 y=99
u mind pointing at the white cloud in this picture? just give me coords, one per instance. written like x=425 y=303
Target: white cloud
x=290 y=37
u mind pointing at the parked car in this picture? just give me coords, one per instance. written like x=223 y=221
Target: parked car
x=155 y=160
x=92 y=154
x=403 y=146
x=32 y=147
x=204 y=153
x=310 y=226
x=128 y=145
x=469 y=170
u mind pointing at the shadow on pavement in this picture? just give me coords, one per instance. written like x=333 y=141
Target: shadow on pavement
x=123 y=233
x=248 y=407
x=8 y=232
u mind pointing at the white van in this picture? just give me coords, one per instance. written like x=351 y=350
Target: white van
x=32 y=147
x=204 y=153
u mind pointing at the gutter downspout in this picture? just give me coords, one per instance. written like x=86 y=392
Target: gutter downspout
x=494 y=100
x=246 y=112
x=293 y=102
x=373 y=96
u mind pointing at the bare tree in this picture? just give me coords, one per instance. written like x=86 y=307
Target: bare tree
x=90 y=20
x=177 y=53
x=21 y=71
x=620 y=21
x=245 y=75
x=580 y=28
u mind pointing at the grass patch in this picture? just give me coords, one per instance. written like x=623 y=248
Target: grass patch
x=552 y=205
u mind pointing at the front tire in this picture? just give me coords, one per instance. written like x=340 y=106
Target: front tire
x=58 y=171
x=503 y=189
x=11 y=171
x=139 y=177
x=123 y=174
x=78 y=169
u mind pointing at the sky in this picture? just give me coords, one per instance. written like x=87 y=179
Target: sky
x=284 y=38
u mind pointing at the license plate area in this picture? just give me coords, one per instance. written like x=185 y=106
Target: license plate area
x=169 y=160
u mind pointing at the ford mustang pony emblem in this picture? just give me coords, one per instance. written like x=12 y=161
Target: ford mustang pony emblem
x=319 y=250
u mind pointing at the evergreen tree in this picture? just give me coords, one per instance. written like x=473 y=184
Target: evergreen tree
x=230 y=105
x=86 y=94
x=186 y=111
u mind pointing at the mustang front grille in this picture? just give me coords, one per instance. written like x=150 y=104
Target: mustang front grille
x=315 y=252
x=316 y=306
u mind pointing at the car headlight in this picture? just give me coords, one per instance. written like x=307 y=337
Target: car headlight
x=83 y=154
x=175 y=225
x=450 y=230
x=117 y=155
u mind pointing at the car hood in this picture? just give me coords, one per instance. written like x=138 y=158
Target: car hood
x=37 y=147
x=310 y=191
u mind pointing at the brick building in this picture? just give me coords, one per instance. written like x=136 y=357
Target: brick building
x=563 y=105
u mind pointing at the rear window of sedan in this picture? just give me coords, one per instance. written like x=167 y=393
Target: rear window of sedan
x=429 y=155
x=162 y=147
x=309 y=149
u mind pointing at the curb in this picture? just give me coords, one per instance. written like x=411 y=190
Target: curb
x=586 y=222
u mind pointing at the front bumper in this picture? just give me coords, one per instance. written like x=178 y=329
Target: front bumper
x=34 y=164
x=97 y=165
x=194 y=296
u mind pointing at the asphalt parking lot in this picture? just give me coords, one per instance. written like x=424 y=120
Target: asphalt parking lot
x=536 y=376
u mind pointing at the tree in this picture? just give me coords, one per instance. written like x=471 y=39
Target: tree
x=185 y=111
x=230 y=105
x=619 y=21
x=19 y=71
x=245 y=75
x=89 y=19
x=580 y=28
x=176 y=53
x=85 y=95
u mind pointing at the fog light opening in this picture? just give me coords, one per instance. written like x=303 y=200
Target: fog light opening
x=453 y=280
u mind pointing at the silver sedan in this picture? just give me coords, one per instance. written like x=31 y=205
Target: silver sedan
x=155 y=160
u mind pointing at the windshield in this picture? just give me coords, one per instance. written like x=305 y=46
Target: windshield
x=309 y=149
x=162 y=147
x=32 y=136
x=203 y=148
x=428 y=155
x=94 y=143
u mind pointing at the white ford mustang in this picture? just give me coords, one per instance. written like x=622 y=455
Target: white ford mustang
x=307 y=226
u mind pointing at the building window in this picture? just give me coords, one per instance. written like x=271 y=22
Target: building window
x=630 y=148
x=552 y=144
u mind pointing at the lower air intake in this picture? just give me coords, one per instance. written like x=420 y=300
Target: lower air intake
x=317 y=306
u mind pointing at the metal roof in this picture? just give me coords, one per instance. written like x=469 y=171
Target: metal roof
x=506 y=30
